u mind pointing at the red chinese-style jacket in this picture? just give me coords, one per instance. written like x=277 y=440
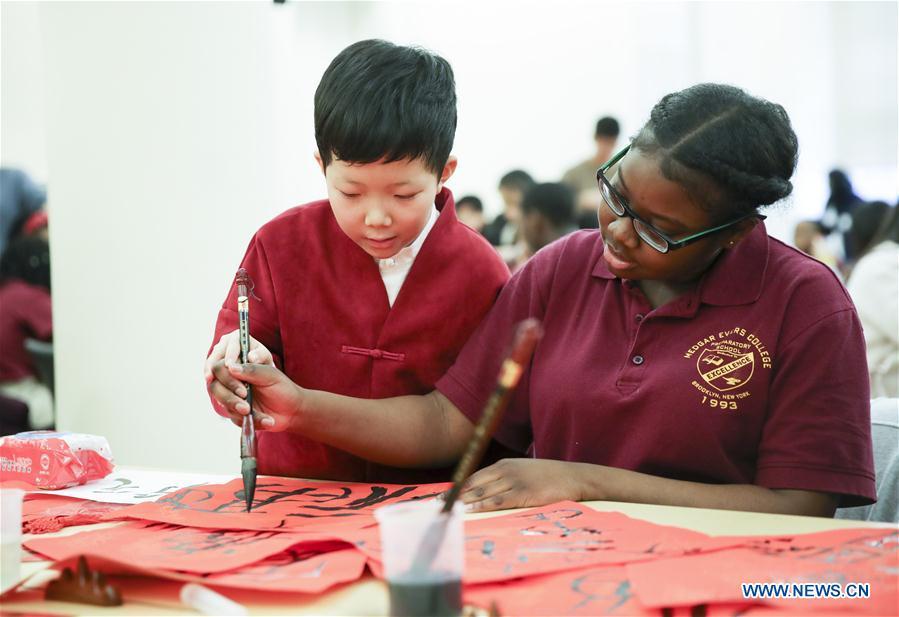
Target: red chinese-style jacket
x=320 y=306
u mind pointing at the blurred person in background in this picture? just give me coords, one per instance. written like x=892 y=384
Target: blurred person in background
x=25 y=312
x=470 y=211
x=837 y=218
x=502 y=232
x=808 y=236
x=874 y=287
x=20 y=198
x=547 y=214
x=866 y=230
x=582 y=177
x=37 y=225
x=587 y=207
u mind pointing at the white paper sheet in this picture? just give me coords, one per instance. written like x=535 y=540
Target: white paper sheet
x=128 y=485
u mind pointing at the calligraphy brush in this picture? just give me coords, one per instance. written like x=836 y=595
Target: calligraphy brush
x=247 y=431
x=527 y=334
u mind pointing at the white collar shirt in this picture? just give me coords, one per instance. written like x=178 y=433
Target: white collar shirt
x=395 y=269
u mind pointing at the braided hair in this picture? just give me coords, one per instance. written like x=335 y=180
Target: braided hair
x=733 y=152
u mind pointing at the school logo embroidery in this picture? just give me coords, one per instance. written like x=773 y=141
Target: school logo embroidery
x=724 y=369
x=725 y=362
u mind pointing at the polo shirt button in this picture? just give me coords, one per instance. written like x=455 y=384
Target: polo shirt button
x=638 y=360
x=638 y=317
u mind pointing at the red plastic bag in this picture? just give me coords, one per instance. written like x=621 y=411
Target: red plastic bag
x=51 y=460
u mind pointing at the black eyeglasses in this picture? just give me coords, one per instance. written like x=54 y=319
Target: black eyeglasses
x=655 y=238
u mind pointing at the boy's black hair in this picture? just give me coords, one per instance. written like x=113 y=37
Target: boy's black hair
x=744 y=145
x=26 y=258
x=607 y=126
x=555 y=201
x=377 y=100
x=517 y=179
x=472 y=202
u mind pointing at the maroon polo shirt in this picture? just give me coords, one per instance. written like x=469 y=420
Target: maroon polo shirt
x=756 y=376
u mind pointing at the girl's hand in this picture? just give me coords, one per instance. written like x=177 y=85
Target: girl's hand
x=277 y=401
x=521 y=483
x=226 y=391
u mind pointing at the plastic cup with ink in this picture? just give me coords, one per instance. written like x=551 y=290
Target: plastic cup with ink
x=423 y=586
x=10 y=536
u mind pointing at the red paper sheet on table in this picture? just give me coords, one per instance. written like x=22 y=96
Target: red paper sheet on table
x=557 y=537
x=296 y=570
x=279 y=504
x=841 y=556
x=604 y=590
x=46 y=513
x=29 y=556
x=597 y=591
x=160 y=545
x=311 y=569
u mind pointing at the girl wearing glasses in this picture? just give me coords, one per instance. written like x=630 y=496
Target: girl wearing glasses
x=688 y=358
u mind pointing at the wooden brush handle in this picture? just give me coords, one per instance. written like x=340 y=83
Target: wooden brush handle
x=527 y=334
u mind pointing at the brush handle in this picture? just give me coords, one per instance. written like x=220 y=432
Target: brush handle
x=248 y=430
x=526 y=336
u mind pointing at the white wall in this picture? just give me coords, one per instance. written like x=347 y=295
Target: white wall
x=173 y=130
x=22 y=116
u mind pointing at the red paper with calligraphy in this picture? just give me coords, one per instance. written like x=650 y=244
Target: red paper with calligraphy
x=596 y=591
x=604 y=590
x=308 y=568
x=160 y=545
x=279 y=504
x=844 y=556
x=561 y=536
